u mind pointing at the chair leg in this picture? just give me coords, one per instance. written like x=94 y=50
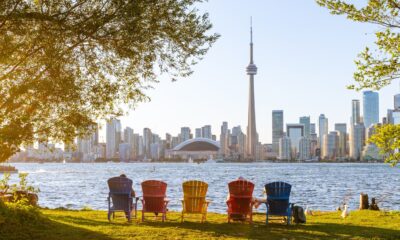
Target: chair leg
x=142 y=215
x=266 y=219
x=182 y=217
x=109 y=216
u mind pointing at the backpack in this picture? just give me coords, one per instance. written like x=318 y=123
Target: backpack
x=298 y=215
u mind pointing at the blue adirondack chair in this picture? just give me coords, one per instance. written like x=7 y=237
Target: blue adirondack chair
x=120 y=197
x=278 y=204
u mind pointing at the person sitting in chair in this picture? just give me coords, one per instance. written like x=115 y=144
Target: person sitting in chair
x=133 y=194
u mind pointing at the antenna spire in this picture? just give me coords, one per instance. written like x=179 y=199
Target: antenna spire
x=251 y=30
x=251 y=40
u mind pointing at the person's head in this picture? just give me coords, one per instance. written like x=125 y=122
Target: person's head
x=122 y=175
x=241 y=178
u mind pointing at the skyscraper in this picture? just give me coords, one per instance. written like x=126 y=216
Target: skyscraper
x=323 y=129
x=129 y=140
x=305 y=148
x=224 y=139
x=370 y=108
x=113 y=137
x=285 y=148
x=312 y=128
x=206 y=132
x=252 y=139
x=277 y=129
x=185 y=134
x=147 y=141
x=355 y=112
x=341 y=128
x=331 y=142
x=198 y=133
x=357 y=140
x=397 y=102
x=306 y=122
x=295 y=132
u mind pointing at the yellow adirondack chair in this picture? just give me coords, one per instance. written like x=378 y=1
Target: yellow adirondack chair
x=194 y=198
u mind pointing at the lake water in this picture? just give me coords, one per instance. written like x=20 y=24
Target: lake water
x=319 y=185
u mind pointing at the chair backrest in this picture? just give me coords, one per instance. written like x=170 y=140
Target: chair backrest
x=194 y=195
x=154 y=194
x=120 y=192
x=278 y=194
x=240 y=196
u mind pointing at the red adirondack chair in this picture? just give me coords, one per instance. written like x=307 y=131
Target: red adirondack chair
x=240 y=201
x=154 y=198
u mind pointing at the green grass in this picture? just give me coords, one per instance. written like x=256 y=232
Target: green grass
x=63 y=224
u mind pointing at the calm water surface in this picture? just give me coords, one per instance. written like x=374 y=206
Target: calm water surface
x=319 y=185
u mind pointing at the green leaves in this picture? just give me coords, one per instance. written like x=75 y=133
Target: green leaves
x=387 y=139
x=65 y=64
x=379 y=67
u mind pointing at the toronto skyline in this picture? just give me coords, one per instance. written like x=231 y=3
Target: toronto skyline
x=295 y=55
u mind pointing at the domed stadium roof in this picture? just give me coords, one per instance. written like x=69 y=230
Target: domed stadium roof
x=198 y=144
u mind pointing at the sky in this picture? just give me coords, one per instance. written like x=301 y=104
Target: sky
x=305 y=58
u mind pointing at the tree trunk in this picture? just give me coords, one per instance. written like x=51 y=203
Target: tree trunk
x=364 y=204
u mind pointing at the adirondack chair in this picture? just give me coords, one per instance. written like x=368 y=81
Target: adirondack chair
x=194 y=198
x=240 y=201
x=154 y=198
x=120 y=198
x=278 y=204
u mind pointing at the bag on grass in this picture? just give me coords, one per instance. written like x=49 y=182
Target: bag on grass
x=298 y=215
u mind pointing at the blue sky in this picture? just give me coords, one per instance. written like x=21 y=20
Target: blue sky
x=305 y=59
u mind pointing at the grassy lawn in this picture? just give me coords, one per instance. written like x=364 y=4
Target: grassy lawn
x=62 y=224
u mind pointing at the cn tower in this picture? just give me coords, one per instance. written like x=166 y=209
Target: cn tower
x=252 y=138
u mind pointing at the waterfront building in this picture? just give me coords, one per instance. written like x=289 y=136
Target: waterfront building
x=355 y=112
x=277 y=129
x=307 y=125
x=185 y=134
x=313 y=144
x=141 y=146
x=155 y=151
x=252 y=138
x=396 y=102
x=396 y=117
x=224 y=139
x=198 y=133
x=295 y=132
x=341 y=128
x=124 y=152
x=238 y=141
x=389 y=116
x=136 y=145
x=168 y=139
x=370 y=108
x=357 y=140
x=313 y=128
x=113 y=137
x=330 y=149
x=129 y=139
x=174 y=142
x=147 y=141
x=285 y=148
x=305 y=148
x=323 y=128
x=87 y=145
x=206 y=132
